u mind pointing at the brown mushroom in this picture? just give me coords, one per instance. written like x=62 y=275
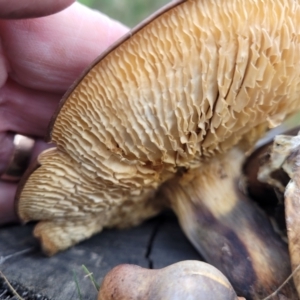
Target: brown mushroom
x=165 y=105
x=228 y=229
x=264 y=194
x=284 y=160
x=181 y=281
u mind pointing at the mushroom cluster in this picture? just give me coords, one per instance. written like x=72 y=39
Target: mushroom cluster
x=165 y=118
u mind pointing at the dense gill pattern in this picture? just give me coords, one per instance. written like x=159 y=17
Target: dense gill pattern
x=182 y=85
x=75 y=193
x=188 y=85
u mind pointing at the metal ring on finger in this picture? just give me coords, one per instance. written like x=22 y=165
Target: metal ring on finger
x=20 y=158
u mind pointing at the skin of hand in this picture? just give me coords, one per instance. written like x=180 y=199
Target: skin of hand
x=44 y=46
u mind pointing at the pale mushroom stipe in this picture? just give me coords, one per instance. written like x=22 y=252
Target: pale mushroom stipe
x=163 y=119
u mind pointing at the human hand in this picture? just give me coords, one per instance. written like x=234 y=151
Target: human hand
x=39 y=60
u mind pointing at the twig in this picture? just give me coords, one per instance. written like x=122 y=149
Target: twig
x=10 y=286
x=283 y=284
x=4 y=258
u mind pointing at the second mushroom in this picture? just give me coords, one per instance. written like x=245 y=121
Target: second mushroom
x=164 y=119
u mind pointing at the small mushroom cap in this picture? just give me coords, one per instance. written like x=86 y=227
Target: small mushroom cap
x=185 y=280
x=191 y=82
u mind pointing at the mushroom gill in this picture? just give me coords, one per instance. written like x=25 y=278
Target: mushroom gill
x=176 y=93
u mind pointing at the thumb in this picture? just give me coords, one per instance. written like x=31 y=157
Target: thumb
x=16 y=9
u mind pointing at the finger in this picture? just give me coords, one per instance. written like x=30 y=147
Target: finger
x=49 y=53
x=6 y=149
x=3 y=68
x=7 y=211
x=25 y=110
x=8 y=190
x=31 y=8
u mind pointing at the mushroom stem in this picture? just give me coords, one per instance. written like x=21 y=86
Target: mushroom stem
x=229 y=230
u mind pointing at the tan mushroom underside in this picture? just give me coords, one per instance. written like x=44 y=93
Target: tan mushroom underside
x=181 y=89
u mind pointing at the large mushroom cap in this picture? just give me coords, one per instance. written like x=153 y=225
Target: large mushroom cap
x=194 y=80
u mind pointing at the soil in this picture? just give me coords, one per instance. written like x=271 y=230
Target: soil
x=7 y=294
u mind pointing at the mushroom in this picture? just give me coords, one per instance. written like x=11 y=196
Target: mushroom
x=173 y=107
x=263 y=193
x=283 y=160
x=181 y=281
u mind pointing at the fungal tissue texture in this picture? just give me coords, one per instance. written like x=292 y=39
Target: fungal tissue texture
x=191 y=83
